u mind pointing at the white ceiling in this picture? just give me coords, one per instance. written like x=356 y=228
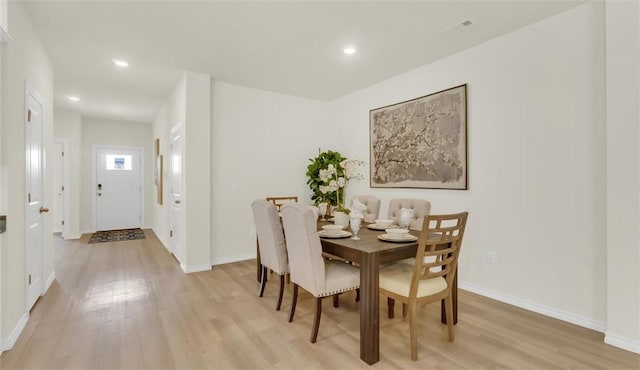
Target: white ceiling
x=287 y=47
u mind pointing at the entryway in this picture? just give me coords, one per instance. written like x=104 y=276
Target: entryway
x=118 y=188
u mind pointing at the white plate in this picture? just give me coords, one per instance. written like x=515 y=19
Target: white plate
x=404 y=238
x=341 y=234
x=376 y=227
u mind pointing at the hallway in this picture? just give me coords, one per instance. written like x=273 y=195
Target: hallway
x=128 y=305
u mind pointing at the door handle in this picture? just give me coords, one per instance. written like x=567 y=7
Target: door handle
x=44 y=210
x=177 y=202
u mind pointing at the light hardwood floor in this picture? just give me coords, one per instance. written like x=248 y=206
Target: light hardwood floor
x=128 y=305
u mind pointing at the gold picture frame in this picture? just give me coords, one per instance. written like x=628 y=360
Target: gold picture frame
x=157 y=171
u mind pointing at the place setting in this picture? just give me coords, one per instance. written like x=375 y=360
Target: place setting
x=334 y=232
x=397 y=234
x=381 y=225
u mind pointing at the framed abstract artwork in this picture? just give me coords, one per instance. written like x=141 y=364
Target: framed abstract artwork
x=421 y=143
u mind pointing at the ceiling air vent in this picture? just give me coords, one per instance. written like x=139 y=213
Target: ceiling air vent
x=458 y=27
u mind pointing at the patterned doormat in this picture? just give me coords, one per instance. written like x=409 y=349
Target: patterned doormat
x=116 y=236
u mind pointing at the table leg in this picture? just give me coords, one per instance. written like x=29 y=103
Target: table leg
x=454 y=298
x=369 y=308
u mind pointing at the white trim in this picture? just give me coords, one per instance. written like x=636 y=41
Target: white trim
x=50 y=281
x=94 y=157
x=195 y=268
x=622 y=342
x=15 y=333
x=231 y=259
x=65 y=183
x=536 y=307
x=73 y=237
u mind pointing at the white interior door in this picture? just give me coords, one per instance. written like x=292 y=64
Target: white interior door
x=58 y=186
x=175 y=193
x=33 y=185
x=118 y=188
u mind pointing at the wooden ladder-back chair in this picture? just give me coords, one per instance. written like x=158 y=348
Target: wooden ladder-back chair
x=430 y=278
x=279 y=201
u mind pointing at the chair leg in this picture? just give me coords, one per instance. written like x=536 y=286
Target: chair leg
x=390 y=305
x=413 y=334
x=294 y=300
x=263 y=280
x=336 y=300
x=280 y=293
x=357 y=294
x=316 y=320
x=404 y=310
x=448 y=307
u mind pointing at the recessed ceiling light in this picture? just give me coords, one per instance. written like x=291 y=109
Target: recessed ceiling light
x=120 y=63
x=73 y=98
x=350 y=49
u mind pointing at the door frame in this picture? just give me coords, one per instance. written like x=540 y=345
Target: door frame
x=94 y=180
x=65 y=182
x=29 y=90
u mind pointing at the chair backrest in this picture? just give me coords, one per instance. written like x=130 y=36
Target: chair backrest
x=373 y=207
x=279 y=201
x=304 y=248
x=273 y=248
x=432 y=262
x=421 y=208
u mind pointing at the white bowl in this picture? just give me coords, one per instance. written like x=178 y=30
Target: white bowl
x=396 y=232
x=383 y=223
x=332 y=229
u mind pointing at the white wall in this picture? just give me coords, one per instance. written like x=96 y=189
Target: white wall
x=189 y=107
x=196 y=172
x=23 y=59
x=68 y=125
x=98 y=131
x=261 y=144
x=536 y=162
x=623 y=174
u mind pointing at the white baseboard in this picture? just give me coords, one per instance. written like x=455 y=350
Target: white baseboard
x=622 y=342
x=69 y=237
x=231 y=259
x=49 y=281
x=195 y=268
x=8 y=343
x=536 y=307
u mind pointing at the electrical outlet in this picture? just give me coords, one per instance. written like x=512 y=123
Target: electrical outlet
x=491 y=257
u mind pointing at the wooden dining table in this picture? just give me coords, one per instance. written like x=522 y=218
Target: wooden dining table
x=369 y=252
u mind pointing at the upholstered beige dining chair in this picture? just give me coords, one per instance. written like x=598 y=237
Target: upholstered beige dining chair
x=309 y=270
x=373 y=206
x=273 y=249
x=421 y=208
x=431 y=277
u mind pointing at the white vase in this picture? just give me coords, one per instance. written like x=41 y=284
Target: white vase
x=341 y=218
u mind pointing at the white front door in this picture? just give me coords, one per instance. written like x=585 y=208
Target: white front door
x=33 y=185
x=175 y=193
x=58 y=187
x=118 y=188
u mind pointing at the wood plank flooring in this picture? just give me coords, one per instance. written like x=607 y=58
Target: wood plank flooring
x=127 y=305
